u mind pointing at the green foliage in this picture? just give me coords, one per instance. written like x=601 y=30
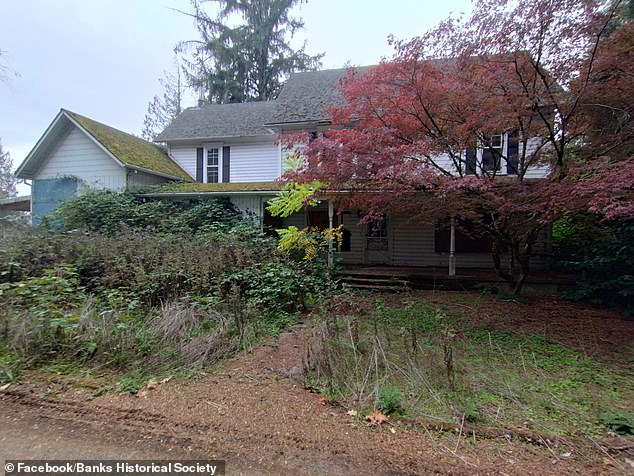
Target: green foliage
x=107 y=212
x=52 y=303
x=204 y=217
x=8 y=181
x=146 y=287
x=618 y=421
x=295 y=197
x=414 y=356
x=149 y=299
x=247 y=61
x=601 y=256
x=283 y=285
x=390 y=401
x=309 y=241
x=10 y=366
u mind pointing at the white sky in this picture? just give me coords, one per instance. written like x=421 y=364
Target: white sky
x=103 y=58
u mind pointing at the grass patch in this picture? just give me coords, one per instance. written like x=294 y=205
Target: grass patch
x=416 y=359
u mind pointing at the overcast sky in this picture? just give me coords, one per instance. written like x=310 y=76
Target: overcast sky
x=103 y=58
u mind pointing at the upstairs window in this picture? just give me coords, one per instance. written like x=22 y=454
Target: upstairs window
x=491 y=151
x=213 y=163
x=493 y=154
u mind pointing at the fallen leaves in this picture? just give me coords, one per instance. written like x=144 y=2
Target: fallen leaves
x=152 y=385
x=376 y=418
x=351 y=412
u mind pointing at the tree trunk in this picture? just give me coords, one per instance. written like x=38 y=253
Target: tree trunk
x=523 y=258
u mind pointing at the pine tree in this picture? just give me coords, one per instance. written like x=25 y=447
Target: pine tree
x=8 y=181
x=248 y=62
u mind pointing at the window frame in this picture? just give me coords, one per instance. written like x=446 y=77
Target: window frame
x=206 y=149
x=501 y=159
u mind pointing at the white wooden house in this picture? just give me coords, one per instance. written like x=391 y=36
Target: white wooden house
x=229 y=150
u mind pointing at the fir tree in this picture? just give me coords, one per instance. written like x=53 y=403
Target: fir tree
x=250 y=61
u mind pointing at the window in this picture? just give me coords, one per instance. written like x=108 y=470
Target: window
x=491 y=152
x=378 y=229
x=468 y=239
x=213 y=163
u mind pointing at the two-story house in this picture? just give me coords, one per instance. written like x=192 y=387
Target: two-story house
x=233 y=150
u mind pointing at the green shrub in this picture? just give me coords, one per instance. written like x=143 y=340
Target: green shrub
x=107 y=212
x=601 y=256
x=390 y=401
x=620 y=422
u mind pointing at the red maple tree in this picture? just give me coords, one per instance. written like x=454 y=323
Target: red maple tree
x=468 y=119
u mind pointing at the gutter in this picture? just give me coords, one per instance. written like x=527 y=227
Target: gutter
x=154 y=172
x=206 y=194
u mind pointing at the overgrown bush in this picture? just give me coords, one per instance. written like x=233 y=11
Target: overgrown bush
x=130 y=284
x=601 y=256
x=106 y=212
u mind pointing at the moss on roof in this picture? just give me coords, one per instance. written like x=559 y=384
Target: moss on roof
x=130 y=150
x=197 y=187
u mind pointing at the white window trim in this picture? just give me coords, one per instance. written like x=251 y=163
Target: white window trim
x=206 y=147
x=502 y=166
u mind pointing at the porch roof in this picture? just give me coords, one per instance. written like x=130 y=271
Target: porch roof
x=199 y=189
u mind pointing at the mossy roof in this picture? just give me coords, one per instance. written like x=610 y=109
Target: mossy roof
x=130 y=150
x=196 y=187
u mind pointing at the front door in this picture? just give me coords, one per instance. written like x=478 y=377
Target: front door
x=377 y=244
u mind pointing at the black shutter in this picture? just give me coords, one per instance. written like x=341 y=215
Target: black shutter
x=512 y=154
x=226 y=157
x=199 y=164
x=470 y=161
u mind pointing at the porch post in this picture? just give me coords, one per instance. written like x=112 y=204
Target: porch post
x=452 y=247
x=331 y=212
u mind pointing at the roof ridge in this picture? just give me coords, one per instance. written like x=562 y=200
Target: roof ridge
x=108 y=126
x=130 y=150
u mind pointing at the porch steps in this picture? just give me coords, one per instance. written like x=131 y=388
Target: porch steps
x=384 y=279
x=376 y=283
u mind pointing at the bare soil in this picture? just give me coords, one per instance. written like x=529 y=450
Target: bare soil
x=254 y=412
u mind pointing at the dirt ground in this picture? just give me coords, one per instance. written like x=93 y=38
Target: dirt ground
x=254 y=413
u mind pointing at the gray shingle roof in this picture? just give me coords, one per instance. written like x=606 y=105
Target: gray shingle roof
x=214 y=121
x=305 y=96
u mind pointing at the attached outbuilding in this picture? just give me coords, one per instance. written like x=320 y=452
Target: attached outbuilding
x=76 y=153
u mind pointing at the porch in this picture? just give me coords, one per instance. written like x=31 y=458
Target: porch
x=402 y=278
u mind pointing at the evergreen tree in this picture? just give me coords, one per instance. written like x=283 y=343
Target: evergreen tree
x=7 y=179
x=163 y=108
x=250 y=61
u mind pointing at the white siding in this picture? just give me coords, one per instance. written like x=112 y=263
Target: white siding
x=537 y=170
x=141 y=179
x=185 y=156
x=250 y=206
x=412 y=243
x=356 y=255
x=258 y=162
x=254 y=162
x=79 y=156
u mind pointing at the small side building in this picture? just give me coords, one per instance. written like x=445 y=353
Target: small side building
x=76 y=153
